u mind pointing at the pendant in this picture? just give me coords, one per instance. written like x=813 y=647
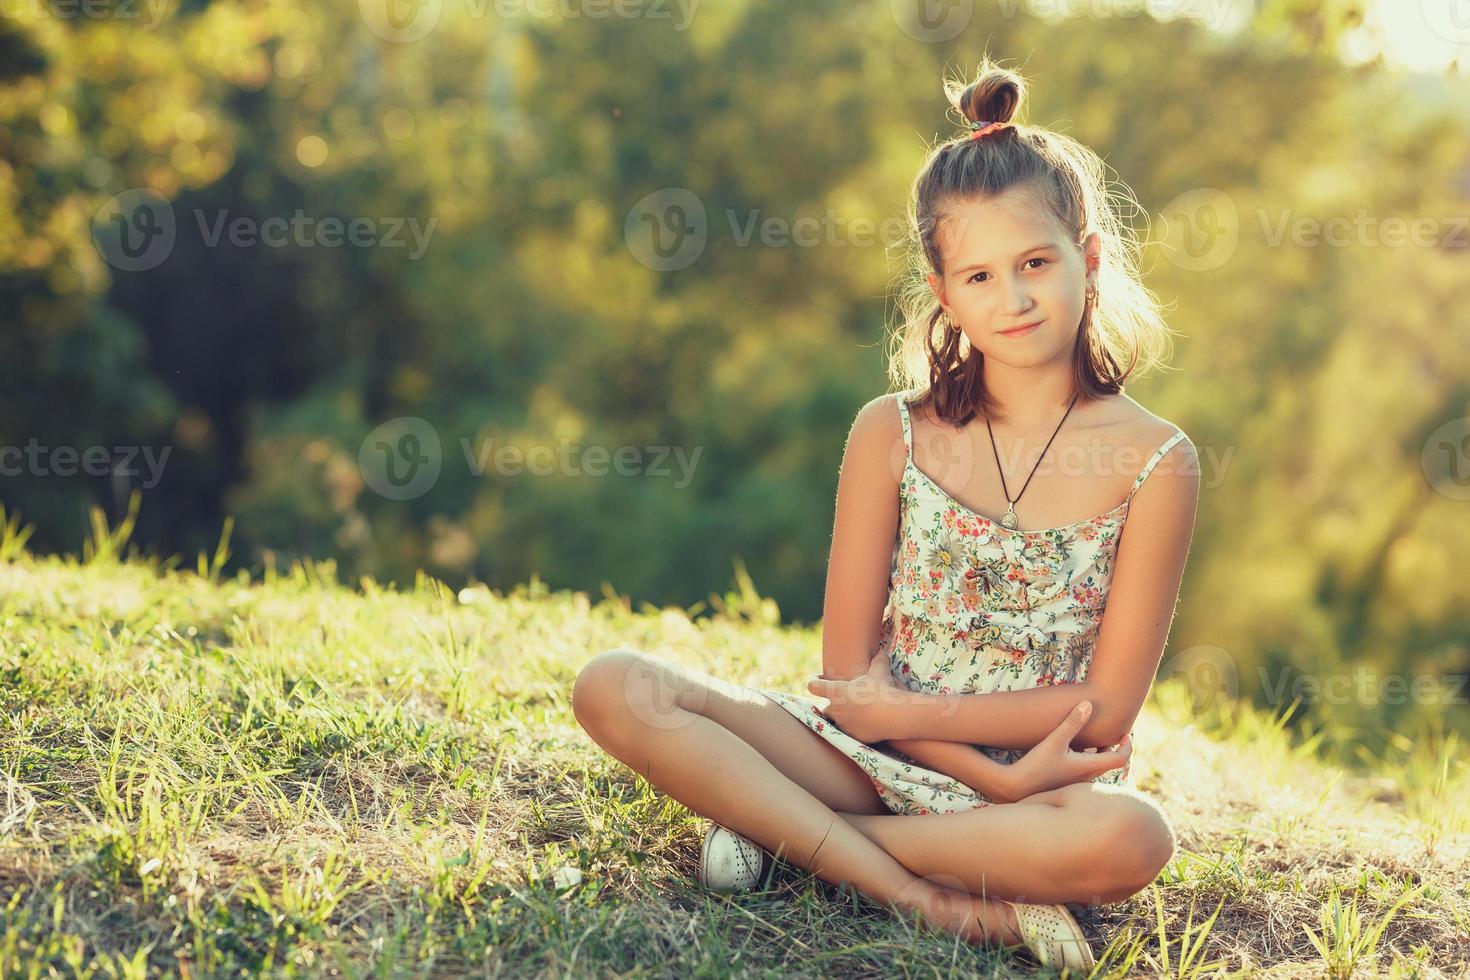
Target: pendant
x=1008 y=519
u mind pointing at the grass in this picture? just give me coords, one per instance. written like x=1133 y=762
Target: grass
x=288 y=775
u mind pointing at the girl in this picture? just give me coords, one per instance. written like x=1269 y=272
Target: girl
x=979 y=537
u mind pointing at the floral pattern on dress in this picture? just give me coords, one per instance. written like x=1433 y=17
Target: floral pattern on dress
x=976 y=607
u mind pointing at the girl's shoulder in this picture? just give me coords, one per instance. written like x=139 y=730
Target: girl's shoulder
x=1121 y=414
x=1125 y=424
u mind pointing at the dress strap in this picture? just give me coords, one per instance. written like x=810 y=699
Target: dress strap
x=1154 y=460
x=903 y=417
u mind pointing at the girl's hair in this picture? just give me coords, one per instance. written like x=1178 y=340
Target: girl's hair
x=1059 y=174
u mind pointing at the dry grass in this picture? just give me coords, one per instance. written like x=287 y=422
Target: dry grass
x=204 y=777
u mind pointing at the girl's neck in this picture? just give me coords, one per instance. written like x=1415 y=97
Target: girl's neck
x=1030 y=398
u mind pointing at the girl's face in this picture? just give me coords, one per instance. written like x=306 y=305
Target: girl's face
x=1008 y=264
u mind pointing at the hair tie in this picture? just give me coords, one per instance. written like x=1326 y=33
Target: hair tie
x=982 y=127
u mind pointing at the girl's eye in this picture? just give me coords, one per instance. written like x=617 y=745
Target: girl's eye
x=1033 y=259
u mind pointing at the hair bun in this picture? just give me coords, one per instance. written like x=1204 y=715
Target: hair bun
x=994 y=96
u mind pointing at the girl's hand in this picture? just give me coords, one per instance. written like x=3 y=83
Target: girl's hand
x=862 y=707
x=1053 y=762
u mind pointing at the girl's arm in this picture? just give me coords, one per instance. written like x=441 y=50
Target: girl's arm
x=1050 y=764
x=1145 y=586
x=863 y=535
x=963 y=762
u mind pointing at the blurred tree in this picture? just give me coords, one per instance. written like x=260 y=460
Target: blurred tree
x=522 y=302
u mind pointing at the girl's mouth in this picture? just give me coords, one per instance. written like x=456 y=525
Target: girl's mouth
x=1021 y=331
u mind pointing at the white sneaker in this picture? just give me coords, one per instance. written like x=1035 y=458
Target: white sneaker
x=1053 y=936
x=729 y=862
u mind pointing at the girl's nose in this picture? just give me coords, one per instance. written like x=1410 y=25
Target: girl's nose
x=1018 y=300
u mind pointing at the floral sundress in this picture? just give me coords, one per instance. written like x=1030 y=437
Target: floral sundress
x=975 y=607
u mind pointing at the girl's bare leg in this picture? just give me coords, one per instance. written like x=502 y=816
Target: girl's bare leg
x=1086 y=843
x=646 y=712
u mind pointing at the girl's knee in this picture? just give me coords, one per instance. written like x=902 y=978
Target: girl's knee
x=1125 y=838
x=1135 y=843
x=600 y=691
x=622 y=689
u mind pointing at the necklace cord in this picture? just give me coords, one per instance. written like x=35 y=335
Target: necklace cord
x=1011 y=504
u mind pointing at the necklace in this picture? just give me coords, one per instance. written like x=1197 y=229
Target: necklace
x=1008 y=519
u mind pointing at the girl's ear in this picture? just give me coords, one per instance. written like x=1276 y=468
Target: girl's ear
x=936 y=286
x=1091 y=254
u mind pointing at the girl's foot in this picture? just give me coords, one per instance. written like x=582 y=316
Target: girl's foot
x=1050 y=934
x=997 y=922
x=981 y=921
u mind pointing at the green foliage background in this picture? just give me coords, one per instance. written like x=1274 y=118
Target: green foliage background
x=1311 y=377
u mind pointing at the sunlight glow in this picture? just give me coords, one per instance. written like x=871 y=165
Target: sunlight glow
x=1418 y=35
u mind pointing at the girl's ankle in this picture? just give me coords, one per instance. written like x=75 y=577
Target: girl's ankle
x=1008 y=931
x=960 y=913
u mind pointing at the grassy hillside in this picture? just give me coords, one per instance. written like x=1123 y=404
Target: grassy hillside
x=294 y=775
